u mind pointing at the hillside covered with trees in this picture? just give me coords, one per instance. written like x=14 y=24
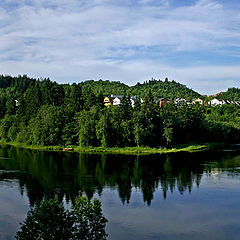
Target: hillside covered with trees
x=48 y=113
x=232 y=94
x=165 y=89
x=159 y=88
x=105 y=87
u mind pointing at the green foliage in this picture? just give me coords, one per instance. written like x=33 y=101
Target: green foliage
x=7 y=124
x=70 y=133
x=74 y=99
x=166 y=89
x=61 y=114
x=87 y=121
x=11 y=106
x=105 y=87
x=138 y=130
x=168 y=132
x=126 y=129
x=45 y=128
x=232 y=94
x=170 y=89
x=49 y=220
x=125 y=108
x=89 y=220
x=104 y=130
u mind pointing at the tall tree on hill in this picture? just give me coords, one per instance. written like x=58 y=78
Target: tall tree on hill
x=149 y=111
x=90 y=99
x=75 y=100
x=46 y=127
x=149 y=106
x=3 y=101
x=87 y=121
x=168 y=131
x=11 y=107
x=73 y=104
x=46 y=87
x=137 y=105
x=32 y=101
x=138 y=128
x=104 y=130
x=125 y=108
x=58 y=94
x=191 y=121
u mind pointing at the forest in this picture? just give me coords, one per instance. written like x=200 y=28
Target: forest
x=47 y=114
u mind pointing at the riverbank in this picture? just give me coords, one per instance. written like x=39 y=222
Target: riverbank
x=125 y=150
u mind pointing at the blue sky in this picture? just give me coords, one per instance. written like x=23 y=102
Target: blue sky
x=194 y=42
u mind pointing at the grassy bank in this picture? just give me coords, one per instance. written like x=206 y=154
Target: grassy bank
x=149 y=150
x=125 y=150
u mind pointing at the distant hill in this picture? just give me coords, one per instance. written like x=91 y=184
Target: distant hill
x=167 y=89
x=170 y=89
x=105 y=87
x=19 y=83
x=232 y=94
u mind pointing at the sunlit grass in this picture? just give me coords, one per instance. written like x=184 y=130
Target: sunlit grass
x=125 y=150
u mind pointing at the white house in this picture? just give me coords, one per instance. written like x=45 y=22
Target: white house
x=215 y=102
x=117 y=101
x=132 y=101
x=180 y=101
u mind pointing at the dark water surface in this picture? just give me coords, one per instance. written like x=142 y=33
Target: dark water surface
x=177 y=196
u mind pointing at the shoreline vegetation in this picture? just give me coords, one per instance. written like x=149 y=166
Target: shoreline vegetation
x=41 y=114
x=125 y=150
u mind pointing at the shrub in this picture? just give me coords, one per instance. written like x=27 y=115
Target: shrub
x=48 y=220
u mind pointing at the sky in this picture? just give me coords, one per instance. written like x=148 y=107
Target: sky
x=194 y=42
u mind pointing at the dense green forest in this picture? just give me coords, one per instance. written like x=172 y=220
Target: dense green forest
x=232 y=94
x=166 y=88
x=48 y=113
x=105 y=87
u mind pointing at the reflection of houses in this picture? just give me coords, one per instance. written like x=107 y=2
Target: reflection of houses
x=162 y=101
x=198 y=101
x=215 y=172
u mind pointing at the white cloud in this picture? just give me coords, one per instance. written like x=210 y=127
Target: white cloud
x=69 y=39
x=205 y=79
x=156 y=2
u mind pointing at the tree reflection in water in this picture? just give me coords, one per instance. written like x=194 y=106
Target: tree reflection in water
x=49 y=174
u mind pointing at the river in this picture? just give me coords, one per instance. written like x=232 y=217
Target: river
x=170 y=196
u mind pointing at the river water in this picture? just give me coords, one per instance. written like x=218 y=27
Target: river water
x=174 y=196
